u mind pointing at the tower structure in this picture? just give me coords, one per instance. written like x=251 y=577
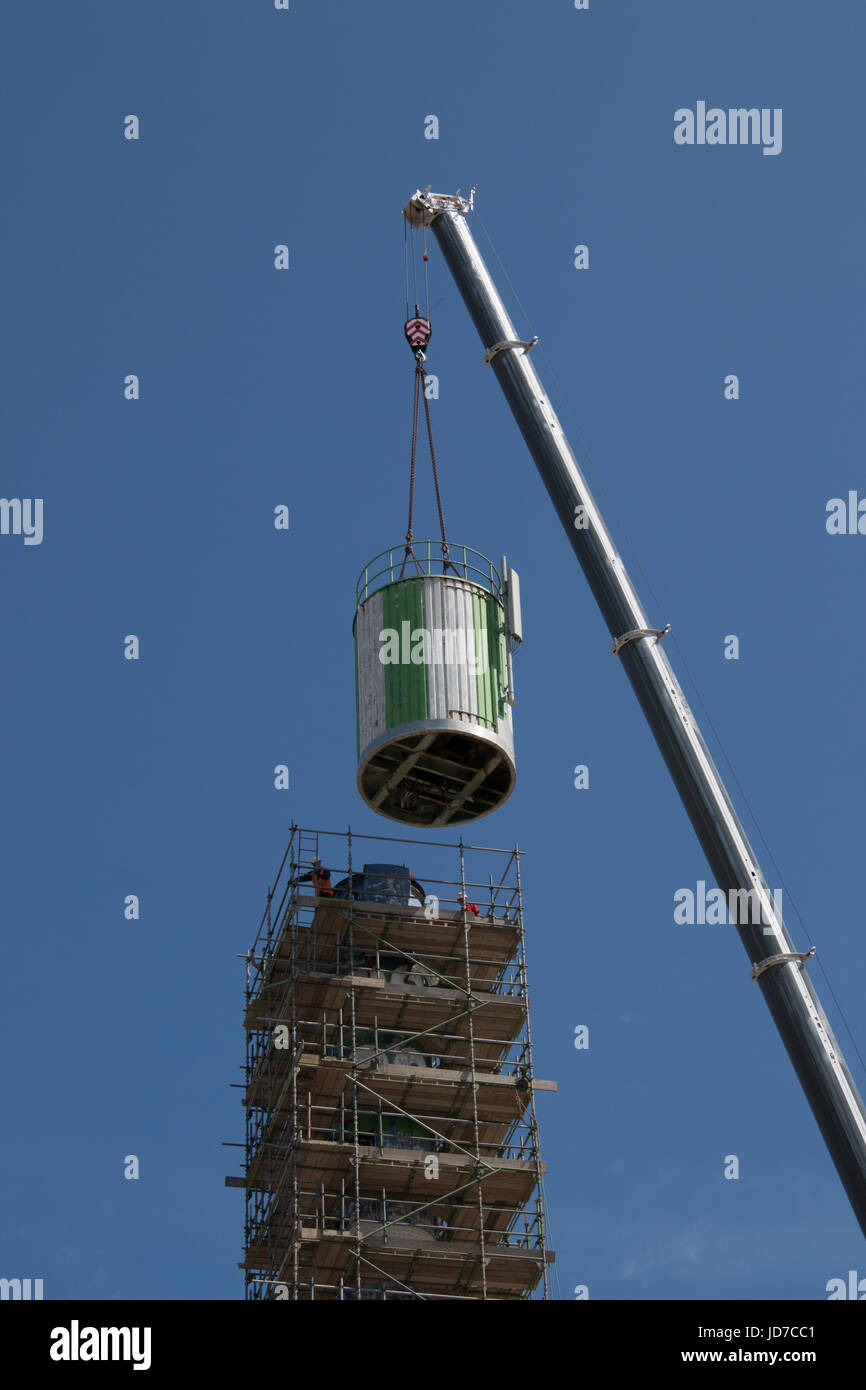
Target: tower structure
x=391 y=1144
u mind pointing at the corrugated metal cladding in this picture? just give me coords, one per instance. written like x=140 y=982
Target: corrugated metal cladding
x=430 y=654
x=462 y=672
x=405 y=683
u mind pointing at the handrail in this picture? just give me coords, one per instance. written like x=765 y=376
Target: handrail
x=424 y=562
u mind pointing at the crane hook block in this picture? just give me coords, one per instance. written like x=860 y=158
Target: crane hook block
x=418 y=331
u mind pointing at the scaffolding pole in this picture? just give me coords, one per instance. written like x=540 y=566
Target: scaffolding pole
x=392 y=1145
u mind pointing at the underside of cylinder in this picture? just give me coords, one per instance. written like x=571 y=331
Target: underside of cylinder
x=436 y=777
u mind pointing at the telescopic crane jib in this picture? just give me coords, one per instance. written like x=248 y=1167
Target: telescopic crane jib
x=777 y=967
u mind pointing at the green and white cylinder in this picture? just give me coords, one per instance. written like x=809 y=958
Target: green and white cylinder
x=435 y=738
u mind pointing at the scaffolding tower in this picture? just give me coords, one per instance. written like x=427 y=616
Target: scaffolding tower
x=391 y=1135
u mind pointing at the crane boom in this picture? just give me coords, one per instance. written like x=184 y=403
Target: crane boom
x=776 y=966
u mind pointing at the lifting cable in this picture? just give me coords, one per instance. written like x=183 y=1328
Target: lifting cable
x=418 y=331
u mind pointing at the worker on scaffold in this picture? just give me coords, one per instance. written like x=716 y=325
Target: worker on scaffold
x=320 y=879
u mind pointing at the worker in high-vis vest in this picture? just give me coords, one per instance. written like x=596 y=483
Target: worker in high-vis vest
x=320 y=879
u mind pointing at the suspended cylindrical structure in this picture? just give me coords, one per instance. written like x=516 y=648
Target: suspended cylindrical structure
x=435 y=739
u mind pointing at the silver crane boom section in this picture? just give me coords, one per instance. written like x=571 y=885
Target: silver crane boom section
x=776 y=965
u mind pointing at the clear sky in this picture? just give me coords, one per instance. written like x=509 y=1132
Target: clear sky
x=261 y=387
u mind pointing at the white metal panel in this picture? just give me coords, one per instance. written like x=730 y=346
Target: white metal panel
x=451 y=683
x=515 y=618
x=371 y=672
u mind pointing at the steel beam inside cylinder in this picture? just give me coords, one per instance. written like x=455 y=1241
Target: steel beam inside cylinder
x=400 y=772
x=790 y=995
x=481 y=775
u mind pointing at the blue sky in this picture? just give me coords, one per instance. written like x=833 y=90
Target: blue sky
x=261 y=387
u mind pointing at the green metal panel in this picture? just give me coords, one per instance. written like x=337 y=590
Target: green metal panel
x=490 y=683
x=499 y=660
x=405 y=682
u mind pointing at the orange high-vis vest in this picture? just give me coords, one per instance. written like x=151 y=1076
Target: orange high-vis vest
x=322 y=883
